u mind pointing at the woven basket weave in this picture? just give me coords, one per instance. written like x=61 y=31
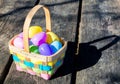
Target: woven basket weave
x=36 y=64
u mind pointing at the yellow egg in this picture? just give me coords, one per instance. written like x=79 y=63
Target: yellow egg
x=34 y=30
x=51 y=37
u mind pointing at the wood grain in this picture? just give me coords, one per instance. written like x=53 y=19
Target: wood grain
x=9 y=26
x=64 y=20
x=99 y=64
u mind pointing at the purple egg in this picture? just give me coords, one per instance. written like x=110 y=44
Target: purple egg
x=39 y=38
x=44 y=49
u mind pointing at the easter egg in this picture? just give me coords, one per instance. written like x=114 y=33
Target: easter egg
x=39 y=38
x=51 y=37
x=44 y=49
x=21 y=35
x=34 y=49
x=55 y=46
x=18 y=42
x=30 y=43
x=34 y=30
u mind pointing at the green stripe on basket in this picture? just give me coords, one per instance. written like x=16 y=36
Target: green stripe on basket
x=36 y=70
x=22 y=65
x=50 y=72
x=15 y=58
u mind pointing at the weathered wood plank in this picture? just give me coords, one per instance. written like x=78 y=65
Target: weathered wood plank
x=100 y=18
x=4 y=56
x=64 y=20
x=8 y=28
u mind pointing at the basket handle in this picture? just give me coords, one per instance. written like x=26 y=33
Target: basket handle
x=28 y=21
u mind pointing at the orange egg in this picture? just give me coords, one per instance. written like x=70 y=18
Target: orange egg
x=51 y=37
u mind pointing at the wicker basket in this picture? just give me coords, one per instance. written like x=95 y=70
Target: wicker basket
x=36 y=64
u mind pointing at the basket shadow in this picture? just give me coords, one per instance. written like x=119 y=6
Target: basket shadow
x=88 y=56
x=68 y=64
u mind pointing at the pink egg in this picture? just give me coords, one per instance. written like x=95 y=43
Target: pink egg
x=39 y=38
x=21 y=35
x=44 y=49
x=18 y=42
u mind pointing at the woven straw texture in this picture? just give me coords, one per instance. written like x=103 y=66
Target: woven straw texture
x=36 y=64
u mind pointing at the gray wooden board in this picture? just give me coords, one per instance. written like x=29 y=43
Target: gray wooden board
x=9 y=26
x=4 y=55
x=99 y=19
x=64 y=20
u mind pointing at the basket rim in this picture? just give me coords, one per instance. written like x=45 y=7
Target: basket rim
x=37 y=56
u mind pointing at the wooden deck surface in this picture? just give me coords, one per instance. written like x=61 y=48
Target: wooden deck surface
x=91 y=28
x=64 y=20
x=99 y=48
x=11 y=20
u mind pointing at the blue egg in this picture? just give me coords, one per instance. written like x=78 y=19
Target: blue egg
x=55 y=46
x=30 y=42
